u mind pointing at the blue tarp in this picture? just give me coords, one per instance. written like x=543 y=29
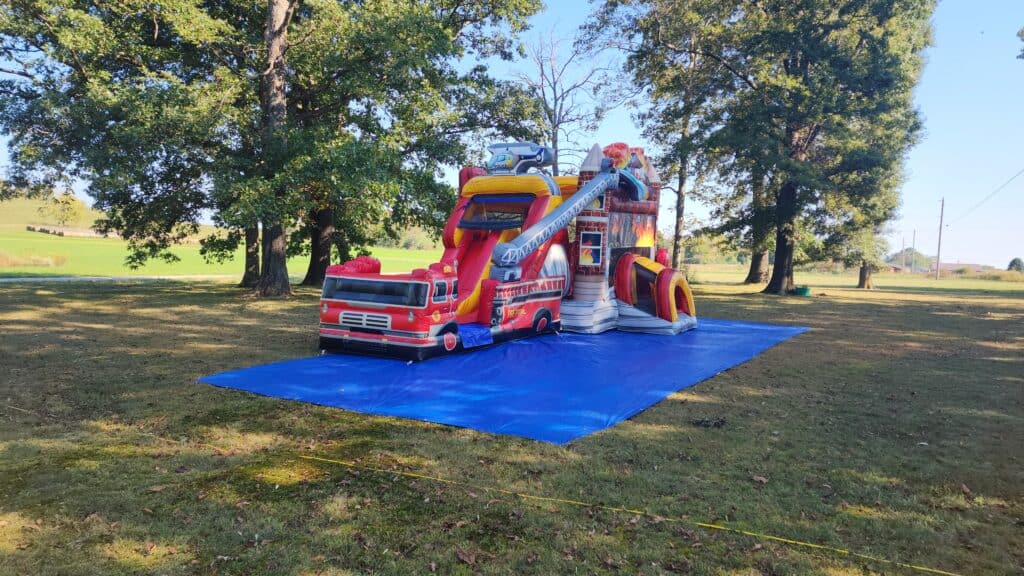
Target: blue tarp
x=553 y=388
x=474 y=335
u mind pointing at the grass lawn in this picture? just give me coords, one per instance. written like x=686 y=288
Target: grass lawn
x=104 y=256
x=29 y=254
x=77 y=256
x=893 y=428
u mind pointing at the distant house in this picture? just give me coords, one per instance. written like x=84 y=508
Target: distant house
x=956 y=266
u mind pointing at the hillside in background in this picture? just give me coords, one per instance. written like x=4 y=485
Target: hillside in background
x=25 y=253
x=21 y=212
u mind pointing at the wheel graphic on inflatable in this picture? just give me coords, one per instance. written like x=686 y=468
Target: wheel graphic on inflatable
x=542 y=321
x=449 y=340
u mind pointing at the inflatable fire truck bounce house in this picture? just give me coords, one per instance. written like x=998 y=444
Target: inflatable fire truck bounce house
x=524 y=253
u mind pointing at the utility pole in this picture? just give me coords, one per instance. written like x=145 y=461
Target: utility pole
x=938 y=251
x=913 y=252
x=903 y=251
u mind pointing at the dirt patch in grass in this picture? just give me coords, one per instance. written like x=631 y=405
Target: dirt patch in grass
x=894 y=427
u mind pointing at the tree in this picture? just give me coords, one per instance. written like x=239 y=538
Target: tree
x=761 y=218
x=170 y=111
x=273 y=279
x=565 y=82
x=676 y=85
x=1016 y=265
x=801 y=90
x=742 y=211
x=63 y=208
x=865 y=249
x=910 y=258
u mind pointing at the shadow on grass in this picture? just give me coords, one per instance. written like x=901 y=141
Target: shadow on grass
x=892 y=428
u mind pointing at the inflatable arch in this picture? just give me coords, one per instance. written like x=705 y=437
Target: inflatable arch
x=650 y=286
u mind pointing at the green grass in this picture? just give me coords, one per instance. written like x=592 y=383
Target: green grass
x=893 y=428
x=80 y=256
x=725 y=274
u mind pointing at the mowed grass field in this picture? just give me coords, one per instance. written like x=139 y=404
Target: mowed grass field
x=893 y=428
x=25 y=254
x=29 y=254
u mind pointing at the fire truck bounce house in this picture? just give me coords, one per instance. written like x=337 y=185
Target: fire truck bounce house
x=524 y=253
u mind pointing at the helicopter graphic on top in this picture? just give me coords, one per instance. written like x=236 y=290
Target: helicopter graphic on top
x=518 y=158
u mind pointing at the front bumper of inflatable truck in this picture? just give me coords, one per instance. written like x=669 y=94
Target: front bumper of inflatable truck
x=333 y=339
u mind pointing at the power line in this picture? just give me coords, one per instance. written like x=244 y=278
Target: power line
x=986 y=198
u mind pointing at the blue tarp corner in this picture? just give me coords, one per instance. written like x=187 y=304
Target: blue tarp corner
x=554 y=388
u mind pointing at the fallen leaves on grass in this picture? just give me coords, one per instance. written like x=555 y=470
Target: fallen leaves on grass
x=449 y=526
x=465 y=556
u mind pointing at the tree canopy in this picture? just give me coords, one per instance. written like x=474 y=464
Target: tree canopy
x=161 y=109
x=814 y=95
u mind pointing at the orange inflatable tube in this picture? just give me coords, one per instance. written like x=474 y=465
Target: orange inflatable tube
x=672 y=294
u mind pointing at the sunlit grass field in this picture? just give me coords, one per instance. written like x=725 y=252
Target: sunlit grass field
x=892 y=428
x=822 y=281
x=77 y=256
x=27 y=254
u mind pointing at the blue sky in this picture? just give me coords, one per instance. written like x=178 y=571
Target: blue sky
x=972 y=99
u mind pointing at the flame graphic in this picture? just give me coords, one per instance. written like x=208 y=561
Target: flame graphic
x=618 y=152
x=632 y=158
x=586 y=256
x=643 y=229
x=632 y=230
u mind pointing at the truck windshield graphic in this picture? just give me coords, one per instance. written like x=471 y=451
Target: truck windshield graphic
x=391 y=293
x=496 y=212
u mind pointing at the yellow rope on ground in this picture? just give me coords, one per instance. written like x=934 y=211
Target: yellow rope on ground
x=580 y=503
x=705 y=525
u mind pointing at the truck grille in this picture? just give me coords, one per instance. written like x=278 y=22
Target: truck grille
x=364 y=320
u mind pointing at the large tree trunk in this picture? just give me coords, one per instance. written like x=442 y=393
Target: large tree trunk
x=785 y=241
x=865 y=281
x=760 y=227
x=274 y=275
x=252 y=258
x=758 y=273
x=678 y=247
x=342 y=246
x=274 y=103
x=320 y=255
